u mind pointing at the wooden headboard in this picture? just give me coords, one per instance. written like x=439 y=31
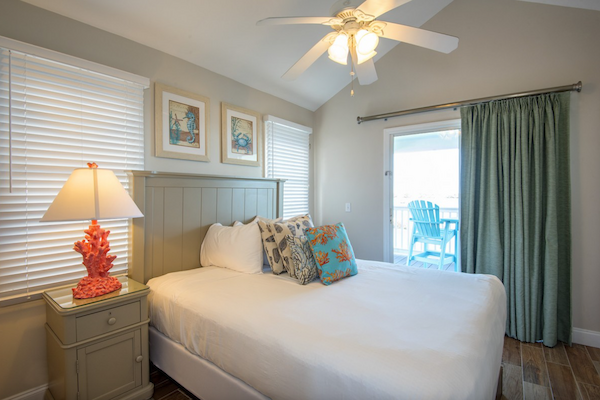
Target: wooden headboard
x=179 y=208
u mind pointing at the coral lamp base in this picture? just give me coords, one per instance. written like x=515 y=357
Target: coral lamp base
x=89 y=287
x=94 y=249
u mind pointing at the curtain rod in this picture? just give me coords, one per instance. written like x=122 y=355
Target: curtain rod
x=567 y=88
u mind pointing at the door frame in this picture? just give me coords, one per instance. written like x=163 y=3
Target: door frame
x=388 y=167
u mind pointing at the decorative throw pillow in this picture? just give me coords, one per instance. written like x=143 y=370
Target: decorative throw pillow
x=234 y=247
x=295 y=227
x=302 y=261
x=267 y=233
x=275 y=245
x=333 y=252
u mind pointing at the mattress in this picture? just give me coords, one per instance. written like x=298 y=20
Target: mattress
x=390 y=332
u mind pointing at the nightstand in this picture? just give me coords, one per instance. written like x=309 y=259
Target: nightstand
x=98 y=348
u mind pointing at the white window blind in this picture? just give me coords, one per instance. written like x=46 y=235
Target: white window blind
x=287 y=157
x=54 y=118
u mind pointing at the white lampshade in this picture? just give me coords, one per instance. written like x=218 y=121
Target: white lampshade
x=366 y=42
x=92 y=194
x=361 y=58
x=338 y=51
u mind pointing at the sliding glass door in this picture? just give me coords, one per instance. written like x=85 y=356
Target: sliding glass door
x=423 y=164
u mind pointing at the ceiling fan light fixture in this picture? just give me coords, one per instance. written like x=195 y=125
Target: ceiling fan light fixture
x=338 y=51
x=361 y=58
x=366 y=42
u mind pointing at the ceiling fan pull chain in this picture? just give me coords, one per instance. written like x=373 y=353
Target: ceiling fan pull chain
x=351 y=79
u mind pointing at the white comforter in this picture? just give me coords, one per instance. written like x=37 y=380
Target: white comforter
x=387 y=333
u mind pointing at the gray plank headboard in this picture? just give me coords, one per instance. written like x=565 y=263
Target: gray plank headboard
x=179 y=208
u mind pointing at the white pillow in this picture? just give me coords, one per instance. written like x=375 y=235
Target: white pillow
x=254 y=221
x=236 y=247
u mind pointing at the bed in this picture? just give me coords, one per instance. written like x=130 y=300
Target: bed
x=388 y=332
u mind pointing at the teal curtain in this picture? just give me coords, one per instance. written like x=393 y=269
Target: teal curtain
x=516 y=212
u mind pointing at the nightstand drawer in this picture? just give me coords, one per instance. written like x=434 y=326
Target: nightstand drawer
x=108 y=320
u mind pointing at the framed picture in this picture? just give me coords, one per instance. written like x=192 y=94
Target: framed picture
x=240 y=135
x=181 y=124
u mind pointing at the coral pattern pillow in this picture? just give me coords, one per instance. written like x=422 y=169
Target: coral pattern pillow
x=333 y=252
x=273 y=238
x=302 y=262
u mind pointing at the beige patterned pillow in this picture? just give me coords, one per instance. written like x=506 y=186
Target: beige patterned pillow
x=267 y=233
x=276 y=246
x=302 y=261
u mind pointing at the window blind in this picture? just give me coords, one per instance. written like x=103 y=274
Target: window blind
x=54 y=118
x=287 y=157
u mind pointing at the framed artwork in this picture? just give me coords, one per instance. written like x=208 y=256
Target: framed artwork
x=240 y=135
x=181 y=124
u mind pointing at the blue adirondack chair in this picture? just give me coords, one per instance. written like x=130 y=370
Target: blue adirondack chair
x=429 y=229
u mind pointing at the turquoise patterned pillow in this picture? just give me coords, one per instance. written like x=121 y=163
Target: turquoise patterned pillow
x=302 y=261
x=333 y=252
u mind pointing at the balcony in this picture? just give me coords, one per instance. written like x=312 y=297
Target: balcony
x=402 y=230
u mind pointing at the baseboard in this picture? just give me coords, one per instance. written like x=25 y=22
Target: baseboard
x=586 y=337
x=31 y=394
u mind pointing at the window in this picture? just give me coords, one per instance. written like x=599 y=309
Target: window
x=55 y=117
x=287 y=157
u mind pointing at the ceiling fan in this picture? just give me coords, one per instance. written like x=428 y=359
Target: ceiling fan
x=357 y=32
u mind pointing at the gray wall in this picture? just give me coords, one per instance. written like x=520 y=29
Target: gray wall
x=22 y=348
x=505 y=47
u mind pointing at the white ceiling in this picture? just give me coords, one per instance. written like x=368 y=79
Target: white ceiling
x=222 y=37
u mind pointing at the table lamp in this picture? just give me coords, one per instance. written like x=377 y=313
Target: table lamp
x=93 y=193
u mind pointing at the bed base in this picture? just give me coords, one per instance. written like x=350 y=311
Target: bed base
x=201 y=377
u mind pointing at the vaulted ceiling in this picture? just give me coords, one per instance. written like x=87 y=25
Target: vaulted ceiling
x=222 y=37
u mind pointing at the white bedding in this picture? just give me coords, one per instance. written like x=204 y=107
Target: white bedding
x=387 y=333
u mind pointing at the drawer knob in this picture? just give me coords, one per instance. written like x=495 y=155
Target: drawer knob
x=139 y=359
x=112 y=321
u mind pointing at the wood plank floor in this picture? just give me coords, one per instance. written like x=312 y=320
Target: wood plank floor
x=531 y=372
x=166 y=388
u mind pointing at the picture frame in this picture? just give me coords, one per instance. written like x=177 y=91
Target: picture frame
x=181 y=124
x=241 y=136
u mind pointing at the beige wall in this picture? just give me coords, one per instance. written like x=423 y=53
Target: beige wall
x=22 y=348
x=505 y=47
x=22 y=344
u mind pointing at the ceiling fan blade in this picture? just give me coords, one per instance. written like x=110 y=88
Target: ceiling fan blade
x=420 y=37
x=309 y=58
x=379 y=7
x=297 y=20
x=585 y=4
x=365 y=72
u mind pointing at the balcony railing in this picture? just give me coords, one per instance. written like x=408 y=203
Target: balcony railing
x=403 y=228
